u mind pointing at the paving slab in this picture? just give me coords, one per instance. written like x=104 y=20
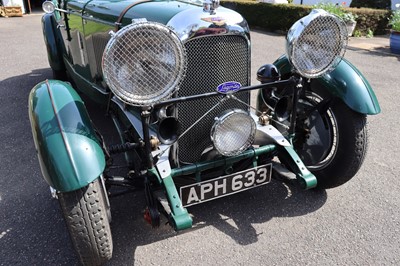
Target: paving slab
x=379 y=44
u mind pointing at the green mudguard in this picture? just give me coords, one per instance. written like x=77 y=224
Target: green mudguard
x=69 y=151
x=345 y=82
x=53 y=41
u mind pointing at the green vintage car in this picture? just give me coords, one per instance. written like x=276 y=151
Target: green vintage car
x=174 y=76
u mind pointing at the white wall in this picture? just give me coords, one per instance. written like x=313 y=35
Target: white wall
x=312 y=2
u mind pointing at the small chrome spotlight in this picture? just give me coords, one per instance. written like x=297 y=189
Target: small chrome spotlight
x=233 y=132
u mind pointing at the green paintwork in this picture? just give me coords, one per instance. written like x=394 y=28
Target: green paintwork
x=56 y=13
x=179 y=215
x=227 y=161
x=306 y=179
x=345 y=82
x=69 y=152
x=157 y=11
x=95 y=93
x=53 y=42
x=304 y=176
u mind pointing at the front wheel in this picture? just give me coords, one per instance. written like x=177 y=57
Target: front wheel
x=60 y=75
x=330 y=138
x=86 y=213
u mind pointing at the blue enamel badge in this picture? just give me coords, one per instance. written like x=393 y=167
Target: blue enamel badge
x=229 y=87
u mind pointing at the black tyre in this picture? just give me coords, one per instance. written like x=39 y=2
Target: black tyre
x=331 y=139
x=60 y=75
x=86 y=214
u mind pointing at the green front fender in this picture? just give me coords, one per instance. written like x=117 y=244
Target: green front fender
x=53 y=42
x=69 y=151
x=345 y=82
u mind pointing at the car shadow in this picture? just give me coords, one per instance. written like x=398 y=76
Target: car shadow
x=235 y=216
x=33 y=232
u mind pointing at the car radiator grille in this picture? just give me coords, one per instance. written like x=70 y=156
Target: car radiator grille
x=212 y=60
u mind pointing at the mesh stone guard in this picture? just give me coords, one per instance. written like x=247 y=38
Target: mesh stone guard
x=316 y=43
x=144 y=63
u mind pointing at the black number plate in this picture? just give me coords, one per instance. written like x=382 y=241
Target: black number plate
x=225 y=185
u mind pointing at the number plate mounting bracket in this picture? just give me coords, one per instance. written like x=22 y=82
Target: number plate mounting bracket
x=289 y=156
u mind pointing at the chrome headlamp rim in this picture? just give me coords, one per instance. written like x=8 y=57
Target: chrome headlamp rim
x=48 y=7
x=127 y=94
x=224 y=117
x=294 y=38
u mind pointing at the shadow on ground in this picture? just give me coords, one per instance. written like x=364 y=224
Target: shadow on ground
x=32 y=230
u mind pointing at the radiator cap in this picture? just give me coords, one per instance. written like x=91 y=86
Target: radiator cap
x=210 y=6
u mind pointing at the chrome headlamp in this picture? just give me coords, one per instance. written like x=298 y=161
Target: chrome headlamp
x=316 y=43
x=233 y=132
x=144 y=63
x=48 y=7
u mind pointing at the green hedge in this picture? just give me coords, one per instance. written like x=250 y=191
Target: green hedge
x=377 y=4
x=275 y=17
x=375 y=20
